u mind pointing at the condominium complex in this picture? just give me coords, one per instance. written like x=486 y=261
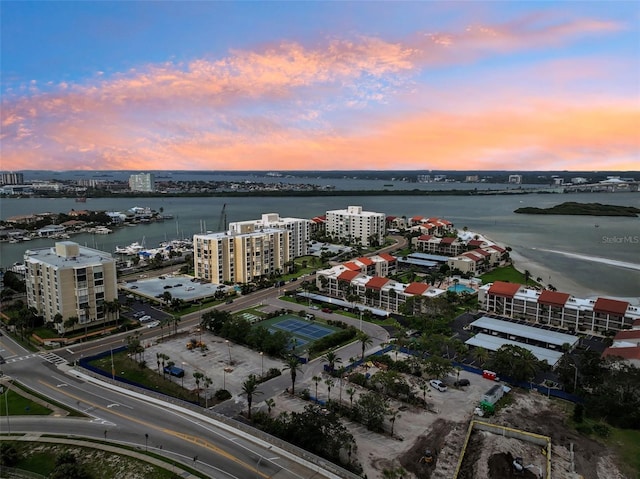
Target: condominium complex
x=358 y=227
x=11 y=178
x=142 y=182
x=361 y=283
x=69 y=280
x=299 y=230
x=241 y=257
x=557 y=309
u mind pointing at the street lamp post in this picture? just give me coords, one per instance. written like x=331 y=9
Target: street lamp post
x=261 y=364
x=224 y=379
x=113 y=368
x=229 y=347
x=360 y=320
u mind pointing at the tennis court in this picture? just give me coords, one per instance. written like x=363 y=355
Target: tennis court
x=303 y=331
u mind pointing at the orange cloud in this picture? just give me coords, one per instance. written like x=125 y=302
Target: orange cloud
x=277 y=108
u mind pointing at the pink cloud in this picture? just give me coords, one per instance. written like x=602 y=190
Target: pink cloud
x=193 y=116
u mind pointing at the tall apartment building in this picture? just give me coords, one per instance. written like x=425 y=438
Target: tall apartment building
x=11 y=178
x=299 y=230
x=70 y=280
x=240 y=257
x=357 y=226
x=142 y=182
x=557 y=309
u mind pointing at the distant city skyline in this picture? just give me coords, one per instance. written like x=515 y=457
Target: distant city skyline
x=522 y=86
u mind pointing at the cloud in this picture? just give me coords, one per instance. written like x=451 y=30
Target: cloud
x=328 y=106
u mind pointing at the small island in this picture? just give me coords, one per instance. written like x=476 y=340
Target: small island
x=588 y=209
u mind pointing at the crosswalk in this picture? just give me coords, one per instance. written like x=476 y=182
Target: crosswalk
x=53 y=358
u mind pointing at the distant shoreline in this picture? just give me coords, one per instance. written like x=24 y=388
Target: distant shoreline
x=586 y=209
x=305 y=194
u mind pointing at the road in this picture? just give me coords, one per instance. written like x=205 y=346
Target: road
x=221 y=452
x=151 y=424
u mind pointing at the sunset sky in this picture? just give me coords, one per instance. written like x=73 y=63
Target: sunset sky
x=320 y=85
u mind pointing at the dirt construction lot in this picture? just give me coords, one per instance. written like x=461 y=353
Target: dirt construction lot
x=441 y=427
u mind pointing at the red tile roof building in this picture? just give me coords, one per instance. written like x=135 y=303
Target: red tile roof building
x=557 y=308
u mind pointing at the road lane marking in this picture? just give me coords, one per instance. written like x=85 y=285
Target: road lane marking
x=184 y=437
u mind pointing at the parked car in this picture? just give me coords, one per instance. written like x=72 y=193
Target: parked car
x=327 y=310
x=437 y=384
x=153 y=324
x=314 y=307
x=145 y=318
x=229 y=301
x=461 y=382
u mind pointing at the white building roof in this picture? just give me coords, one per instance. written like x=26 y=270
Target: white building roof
x=524 y=331
x=493 y=343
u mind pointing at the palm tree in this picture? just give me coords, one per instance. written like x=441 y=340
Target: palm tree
x=316 y=379
x=351 y=392
x=293 y=365
x=481 y=355
x=270 y=404
x=175 y=320
x=158 y=361
x=393 y=415
x=329 y=382
x=250 y=388
x=198 y=377
x=164 y=358
x=332 y=359
x=365 y=340
x=527 y=276
x=207 y=382
x=424 y=387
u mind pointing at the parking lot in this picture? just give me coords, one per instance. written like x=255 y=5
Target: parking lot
x=227 y=364
x=183 y=287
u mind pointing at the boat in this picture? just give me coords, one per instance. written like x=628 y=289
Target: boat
x=101 y=230
x=133 y=249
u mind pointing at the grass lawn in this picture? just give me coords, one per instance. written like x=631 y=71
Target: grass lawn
x=127 y=368
x=20 y=406
x=49 y=401
x=40 y=458
x=627 y=443
x=506 y=273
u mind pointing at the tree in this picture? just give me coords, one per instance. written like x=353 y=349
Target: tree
x=9 y=455
x=481 y=355
x=437 y=367
x=527 y=276
x=316 y=379
x=515 y=362
x=329 y=382
x=371 y=408
x=250 y=388
x=350 y=392
x=365 y=341
x=331 y=358
x=293 y=365
x=393 y=415
x=270 y=405
x=198 y=376
x=207 y=383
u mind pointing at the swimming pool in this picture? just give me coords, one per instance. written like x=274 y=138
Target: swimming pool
x=460 y=288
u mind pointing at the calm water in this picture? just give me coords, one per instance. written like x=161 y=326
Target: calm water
x=570 y=250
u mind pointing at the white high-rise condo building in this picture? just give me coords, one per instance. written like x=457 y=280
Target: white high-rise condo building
x=71 y=281
x=299 y=230
x=142 y=182
x=240 y=257
x=359 y=227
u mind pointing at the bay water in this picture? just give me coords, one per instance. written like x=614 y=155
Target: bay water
x=581 y=255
